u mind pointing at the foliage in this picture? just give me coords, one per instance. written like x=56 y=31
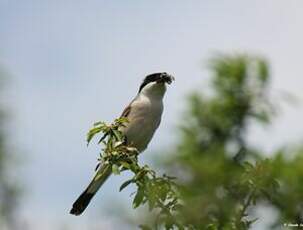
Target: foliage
x=221 y=179
x=158 y=192
x=287 y=166
x=9 y=191
x=221 y=184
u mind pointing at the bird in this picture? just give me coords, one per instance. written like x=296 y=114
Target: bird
x=144 y=114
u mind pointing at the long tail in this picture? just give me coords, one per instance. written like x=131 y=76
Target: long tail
x=82 y=202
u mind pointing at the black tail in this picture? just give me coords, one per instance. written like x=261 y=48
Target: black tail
x=82 y=202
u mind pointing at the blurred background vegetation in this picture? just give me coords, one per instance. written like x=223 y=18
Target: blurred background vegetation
x=222 y=180
x=9 y=188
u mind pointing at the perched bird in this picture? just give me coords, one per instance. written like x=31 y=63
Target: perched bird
x=144 y=116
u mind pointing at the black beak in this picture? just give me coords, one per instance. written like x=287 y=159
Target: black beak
x=166 y=78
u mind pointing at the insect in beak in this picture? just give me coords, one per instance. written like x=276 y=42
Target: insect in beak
x=166 y=78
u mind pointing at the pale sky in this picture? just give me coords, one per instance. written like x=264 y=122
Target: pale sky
x=76 y=62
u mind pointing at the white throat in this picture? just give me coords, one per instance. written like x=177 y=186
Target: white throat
x=154 y=90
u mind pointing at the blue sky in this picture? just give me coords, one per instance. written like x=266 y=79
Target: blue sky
x=76 y=62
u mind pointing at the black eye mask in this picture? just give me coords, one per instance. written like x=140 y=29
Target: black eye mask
x=156 y=77
x=167 y=78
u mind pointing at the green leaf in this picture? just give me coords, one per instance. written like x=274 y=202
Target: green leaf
x=263 y=70
x=144 y=227
x=138 y=198
x=125 y=165
x=98 y=123
x=115 y=169
x=117 y=134
x=102 y=138
x=125 y=184
x=162 y=193
x=152 y=199
x=91 y=133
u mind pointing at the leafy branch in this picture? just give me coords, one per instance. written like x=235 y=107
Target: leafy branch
x=158 y=192
x=161 y=193
x=259 y=183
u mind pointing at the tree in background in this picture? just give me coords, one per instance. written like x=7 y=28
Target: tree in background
x=223 y=179
x=218 y=178
x=222 y=176
x=8 y=185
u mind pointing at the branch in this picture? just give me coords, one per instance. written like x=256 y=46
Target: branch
x=159 y=192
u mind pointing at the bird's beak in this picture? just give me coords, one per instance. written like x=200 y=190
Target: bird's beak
x=167 y=79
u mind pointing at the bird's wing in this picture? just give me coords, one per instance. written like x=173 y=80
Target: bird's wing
x=126 y=111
